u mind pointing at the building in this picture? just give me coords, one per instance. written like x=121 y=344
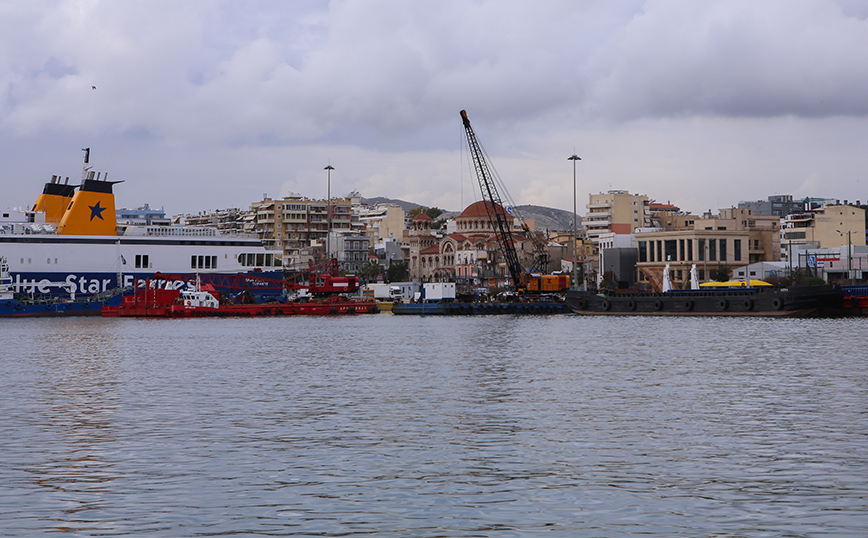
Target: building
x=616 y=211
x=230 y=221
x=470 y=255
x=351 y=250
x=779 y=205
x=829 y=226
x=732 y=238
x=421 y=261
x=295 y=223
x=381 y=221
x=142 y=216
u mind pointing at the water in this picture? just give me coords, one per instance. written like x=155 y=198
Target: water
x=394 y=426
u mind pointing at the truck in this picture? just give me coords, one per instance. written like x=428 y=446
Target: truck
x=378 y=291
x=403 y=292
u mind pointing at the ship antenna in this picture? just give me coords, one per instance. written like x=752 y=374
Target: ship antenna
x=86 y=168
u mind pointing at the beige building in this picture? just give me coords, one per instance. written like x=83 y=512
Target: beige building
x=295 y=223
x=615 y=211
x=830 y=226
x=732 y=238
x=381 y=221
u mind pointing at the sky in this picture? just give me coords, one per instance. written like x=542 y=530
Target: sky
x=206 y=104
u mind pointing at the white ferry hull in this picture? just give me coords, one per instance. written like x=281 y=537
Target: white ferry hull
x=39 y=264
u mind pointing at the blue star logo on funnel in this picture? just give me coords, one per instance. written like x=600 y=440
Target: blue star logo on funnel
x=96 y=211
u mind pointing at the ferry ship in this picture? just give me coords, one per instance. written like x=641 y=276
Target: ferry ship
x=70 y=242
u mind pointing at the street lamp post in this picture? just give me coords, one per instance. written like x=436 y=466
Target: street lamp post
x=329 y=169
x=575 y=158
x=849 y=258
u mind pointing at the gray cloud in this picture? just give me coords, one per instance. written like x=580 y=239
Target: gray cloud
x=271 y=90
x=736 y=58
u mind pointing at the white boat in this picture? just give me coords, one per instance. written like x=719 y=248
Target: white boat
x=70 y=240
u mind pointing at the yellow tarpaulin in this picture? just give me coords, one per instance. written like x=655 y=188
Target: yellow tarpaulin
x=734 y=284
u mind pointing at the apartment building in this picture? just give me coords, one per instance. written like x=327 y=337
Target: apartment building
x=615 y=211
x=297 y=223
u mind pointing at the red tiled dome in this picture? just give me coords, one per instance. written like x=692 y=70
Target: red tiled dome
x=480 y=209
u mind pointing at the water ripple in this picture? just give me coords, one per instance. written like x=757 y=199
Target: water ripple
x=387 y=426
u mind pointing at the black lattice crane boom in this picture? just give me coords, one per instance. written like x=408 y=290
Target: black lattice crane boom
x=502 y=224
x=494 y=206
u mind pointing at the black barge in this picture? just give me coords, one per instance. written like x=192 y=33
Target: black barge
x=802 y=301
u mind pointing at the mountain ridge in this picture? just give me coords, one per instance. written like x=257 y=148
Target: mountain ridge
x=544 y=218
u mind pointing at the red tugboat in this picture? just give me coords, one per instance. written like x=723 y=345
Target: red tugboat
x=319 y=298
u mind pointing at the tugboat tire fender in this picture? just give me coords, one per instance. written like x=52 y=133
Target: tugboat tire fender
x=688 y=304
x=658 y=304
x=605 y=305
x=722 y=304
x=777 y=303
x=631 y=305
x=747 y=304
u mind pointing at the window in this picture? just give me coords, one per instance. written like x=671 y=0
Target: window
x=142 y=261
x=643 y=254
x=712 y=250
x=659 y=251
x=690 y=250
x=736 y=249
x=723 y=250
x=701 y=244
x=670 y=248
x=681 y=249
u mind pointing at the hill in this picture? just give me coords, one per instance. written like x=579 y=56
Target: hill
x=545 y=218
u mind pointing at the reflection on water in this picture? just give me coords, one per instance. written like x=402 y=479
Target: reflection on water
x=395 y=426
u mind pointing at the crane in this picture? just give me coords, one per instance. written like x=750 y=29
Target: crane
x=502 y=225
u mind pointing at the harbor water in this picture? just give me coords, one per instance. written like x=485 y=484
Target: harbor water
x=392 y=426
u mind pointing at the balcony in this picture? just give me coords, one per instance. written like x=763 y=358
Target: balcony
x=598 y=214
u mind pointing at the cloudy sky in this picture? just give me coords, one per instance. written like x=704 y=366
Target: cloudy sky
x=205 y=104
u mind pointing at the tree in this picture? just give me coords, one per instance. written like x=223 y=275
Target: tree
x=398 y=271
x=721 y=274
x=369 y=271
